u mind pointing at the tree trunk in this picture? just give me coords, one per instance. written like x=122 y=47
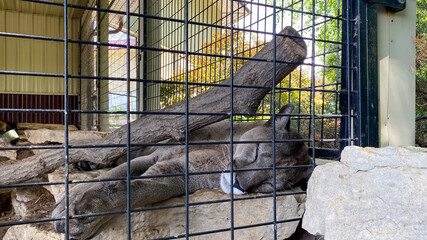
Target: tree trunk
x=154 y=128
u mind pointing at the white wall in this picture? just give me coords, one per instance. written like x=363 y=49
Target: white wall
x=396 y=55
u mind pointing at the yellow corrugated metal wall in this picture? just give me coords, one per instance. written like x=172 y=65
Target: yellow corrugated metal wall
x=29 y=55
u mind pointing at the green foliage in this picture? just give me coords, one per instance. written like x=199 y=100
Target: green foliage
x=212 y=67
x=421 y=59
x=327 y=31
x=421 y=17
x=300 y=15
x=295 y=88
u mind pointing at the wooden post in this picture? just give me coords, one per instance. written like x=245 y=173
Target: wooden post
x=103 y=68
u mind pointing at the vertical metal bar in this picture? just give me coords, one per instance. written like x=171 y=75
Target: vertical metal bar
x=290 y=75
x=231 y=121
x=98 y=69
x=67 y=212
x=349 y=74
x=356 y=80
x=313 y=84
x=313 y=79
x=310 y=129
x=338 y=81
x=323 y=76
x=187 y=217
x=365 y=56
x=300 y=67
x=273 y=91
x=128 y=170
x=371 y=62
x=138 y=54
x=345 y=104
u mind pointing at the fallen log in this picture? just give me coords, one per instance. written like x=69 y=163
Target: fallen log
x=155 y=128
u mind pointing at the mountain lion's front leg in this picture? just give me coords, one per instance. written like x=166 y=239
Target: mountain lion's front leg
x=89 y=198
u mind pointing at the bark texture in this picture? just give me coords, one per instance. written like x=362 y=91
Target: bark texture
x=154 y=128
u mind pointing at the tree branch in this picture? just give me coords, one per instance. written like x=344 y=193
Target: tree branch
x=154 y=128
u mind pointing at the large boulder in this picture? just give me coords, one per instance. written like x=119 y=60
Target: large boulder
x=371 y=194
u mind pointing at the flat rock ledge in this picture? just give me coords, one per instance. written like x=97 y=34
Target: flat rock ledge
x=371 y=194
x=44 y=136
x=208 y=217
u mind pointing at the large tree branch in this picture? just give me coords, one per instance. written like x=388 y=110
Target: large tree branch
x=155 y=128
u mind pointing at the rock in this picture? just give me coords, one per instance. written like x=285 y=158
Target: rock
x=30 y=203
x=35 y=126
x=43 y=136
x=371 y=194
x=207 y=217
x=27 y=200
x=7 y=154
x=171 y=221
x=324 y=161
x=32 y=232
x=59 y=176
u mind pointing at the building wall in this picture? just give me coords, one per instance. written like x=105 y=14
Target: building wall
x=37 y=56
x=42 y=56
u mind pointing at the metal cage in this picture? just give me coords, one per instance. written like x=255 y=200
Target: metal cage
x=120 y=60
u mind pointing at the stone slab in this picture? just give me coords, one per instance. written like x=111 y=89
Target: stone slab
x=59 y=175
x=45 y=136
x=32 y=232
x=372 y=194
x=171 y=222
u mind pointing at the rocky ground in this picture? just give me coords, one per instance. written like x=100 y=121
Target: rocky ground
x=34 y=203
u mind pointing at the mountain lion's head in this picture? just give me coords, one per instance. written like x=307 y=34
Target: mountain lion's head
x=260 y=155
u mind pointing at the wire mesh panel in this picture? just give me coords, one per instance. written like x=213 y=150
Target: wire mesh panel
x=253 y=28
x=108 y=61
x=195 y=94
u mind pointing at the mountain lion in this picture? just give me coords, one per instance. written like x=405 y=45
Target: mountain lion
x=86 y=198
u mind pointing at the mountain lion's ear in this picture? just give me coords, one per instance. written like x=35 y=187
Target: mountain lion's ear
x=282 y=122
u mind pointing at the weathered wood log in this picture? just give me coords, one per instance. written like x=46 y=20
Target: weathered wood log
x=155 y=128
